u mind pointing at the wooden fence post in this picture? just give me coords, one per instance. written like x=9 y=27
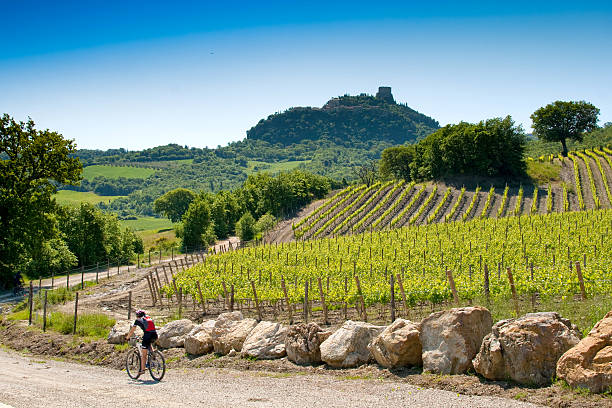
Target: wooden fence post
x=306 y=301
x=202 y=302
x=151 y=290
x=180 y=301
x=76 y=308
x=232 y=298
x=287 y=300
x=513 y=289
x=363 y=307
x=345 y=296
x=392 y=298
x=52 y=279
x=45 y=313
x=486 y=282
x=82 y=276
x=256 y=301
x=451 y=282
x=581 y=281
x=157 y=290
x=130 y=305
x=401 y=286
x=30 y=303
x=323 y=302
x=97 y=271
x=68 y=280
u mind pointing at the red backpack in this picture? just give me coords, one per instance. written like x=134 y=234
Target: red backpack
x=148 y=323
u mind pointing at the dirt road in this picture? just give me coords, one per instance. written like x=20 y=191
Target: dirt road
x=33 y=382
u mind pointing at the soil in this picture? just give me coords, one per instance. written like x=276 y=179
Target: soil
x=17 y=336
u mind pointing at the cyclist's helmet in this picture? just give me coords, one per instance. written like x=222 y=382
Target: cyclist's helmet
x=140 y=313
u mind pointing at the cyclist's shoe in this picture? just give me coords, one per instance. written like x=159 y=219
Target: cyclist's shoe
x=141 y=372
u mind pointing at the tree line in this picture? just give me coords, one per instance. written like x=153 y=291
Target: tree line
x=38 y=236
x=248 y=210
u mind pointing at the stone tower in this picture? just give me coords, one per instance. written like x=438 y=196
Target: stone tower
x=384 y=93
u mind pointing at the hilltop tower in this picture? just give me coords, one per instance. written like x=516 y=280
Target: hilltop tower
x=384 y=93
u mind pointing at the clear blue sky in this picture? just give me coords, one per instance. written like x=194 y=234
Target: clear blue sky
x=138 y=74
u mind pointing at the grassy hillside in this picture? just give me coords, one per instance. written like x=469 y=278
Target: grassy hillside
x=115 y=172
x=69 y=197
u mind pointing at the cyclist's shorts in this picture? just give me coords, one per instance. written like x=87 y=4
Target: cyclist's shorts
x=148 y=338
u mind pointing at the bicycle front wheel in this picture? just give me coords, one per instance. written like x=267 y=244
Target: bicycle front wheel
x=157 y=365
x=132 y=364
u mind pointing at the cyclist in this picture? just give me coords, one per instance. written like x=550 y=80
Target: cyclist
x=150 y=335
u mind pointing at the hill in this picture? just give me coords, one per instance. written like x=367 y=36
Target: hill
x=346 y=120
x=331 y=141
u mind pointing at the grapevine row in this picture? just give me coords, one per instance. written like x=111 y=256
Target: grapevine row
x=587 y=164
x=399 y=200
x=409 y=206
x=330 y=210
x=345 y=209
x=472 y=204
x=434 y=215
x=425 y=205
x=500 y=212
x=327 y=203
x=378 y=206
x=602 y=172
x=362 y=208
x=485 y=210
x=453 y=210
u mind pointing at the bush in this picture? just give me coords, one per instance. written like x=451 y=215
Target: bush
x=245 y=227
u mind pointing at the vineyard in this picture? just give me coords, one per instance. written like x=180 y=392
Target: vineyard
x=585 y=183
x=540 y=251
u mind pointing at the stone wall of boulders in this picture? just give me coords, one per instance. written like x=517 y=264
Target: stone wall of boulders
x=532 y=349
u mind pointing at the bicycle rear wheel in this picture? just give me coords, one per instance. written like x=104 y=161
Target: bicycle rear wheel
x=132 y=364
x=157 y=365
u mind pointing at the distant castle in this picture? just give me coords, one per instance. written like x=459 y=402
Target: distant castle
x=384 y=93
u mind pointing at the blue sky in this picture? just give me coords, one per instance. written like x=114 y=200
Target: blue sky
x=143 y=73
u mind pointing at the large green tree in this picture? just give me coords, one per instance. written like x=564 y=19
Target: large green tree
x=395 y=162
x=31 y=163
x=196 y=228
x=559 y=121
x=174 y=203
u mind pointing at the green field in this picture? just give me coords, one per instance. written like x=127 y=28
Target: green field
x=69 y=197
x=148 y=224
x=254 y=166
x=114 y=172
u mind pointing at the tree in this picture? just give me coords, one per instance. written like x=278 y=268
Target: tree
x=367 y=173
x=196 y=224
x=265 y=223
x=245 y=227
x=174 y=203
x=559 y=121
x=32 y=163
x=395 y=162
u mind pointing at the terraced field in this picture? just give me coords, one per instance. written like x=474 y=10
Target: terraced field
x=585 y=183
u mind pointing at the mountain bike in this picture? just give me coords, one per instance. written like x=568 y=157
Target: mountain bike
x=155 y=361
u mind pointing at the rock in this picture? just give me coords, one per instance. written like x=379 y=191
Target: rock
x=348 y=346
x=398 y=345
x=173 y=334
x=266 y=341
x=303 y=341
x=451 y=338
x=526 y=349
x=230 y=331
x=119 y=331
x=589 y=363
x=199 y=339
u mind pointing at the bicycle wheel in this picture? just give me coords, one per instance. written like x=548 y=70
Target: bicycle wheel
x=157 y=365
x=132 y=364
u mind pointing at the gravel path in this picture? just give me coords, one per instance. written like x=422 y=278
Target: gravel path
x=28 y=382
